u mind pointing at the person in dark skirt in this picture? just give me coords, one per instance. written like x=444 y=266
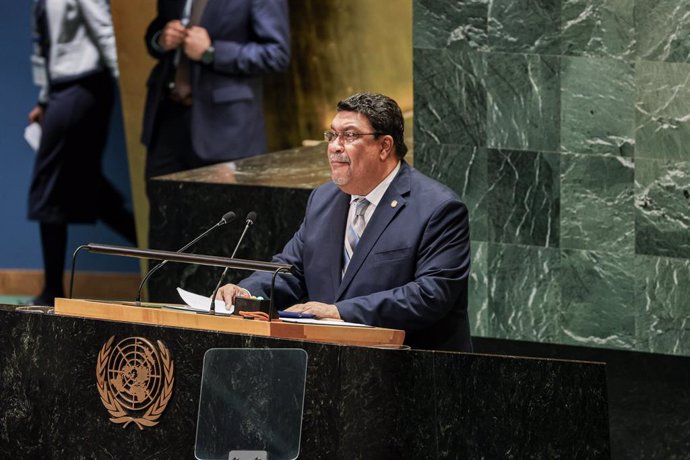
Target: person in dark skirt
x=75 y=64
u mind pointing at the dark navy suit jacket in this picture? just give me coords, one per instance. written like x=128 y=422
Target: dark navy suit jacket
x=251 y=38
x=409 y=270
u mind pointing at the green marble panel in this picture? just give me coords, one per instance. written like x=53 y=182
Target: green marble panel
x=524 y=197
x=463 y=169
x=523 y=102
x=597 y=203
x=663 y=308
x=663 y=30
x=479 y=289
x=598 y=28
x=524 y=292
x=460 y=24
x=529 y=26
x=598 y=113
x=597 y=299
x=449 y=97
x=663 y=101
x=662 y=208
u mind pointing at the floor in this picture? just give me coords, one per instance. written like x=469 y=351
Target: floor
x=14 y=299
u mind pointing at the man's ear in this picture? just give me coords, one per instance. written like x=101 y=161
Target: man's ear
x=386 y=147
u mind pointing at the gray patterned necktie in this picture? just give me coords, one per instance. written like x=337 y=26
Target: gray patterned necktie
x=354 y=231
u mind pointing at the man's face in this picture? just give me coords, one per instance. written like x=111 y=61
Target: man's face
x=356 y=167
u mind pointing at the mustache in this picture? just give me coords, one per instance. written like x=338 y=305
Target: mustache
x=341 y=158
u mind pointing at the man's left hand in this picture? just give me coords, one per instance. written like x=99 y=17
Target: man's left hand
x=196 y=42
x=318 y=309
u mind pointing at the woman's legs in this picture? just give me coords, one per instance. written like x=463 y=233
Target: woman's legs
x=53 y=245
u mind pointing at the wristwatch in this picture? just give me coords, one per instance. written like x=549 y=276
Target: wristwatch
x=209 y=55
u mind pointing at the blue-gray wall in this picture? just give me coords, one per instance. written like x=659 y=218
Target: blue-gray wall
x=19 y=239
x=565 y=126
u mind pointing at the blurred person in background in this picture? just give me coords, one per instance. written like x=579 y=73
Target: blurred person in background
x=205 y=95
x=74 y=63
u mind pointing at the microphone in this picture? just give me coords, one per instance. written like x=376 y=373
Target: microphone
x=227 y=218
x=251 y=218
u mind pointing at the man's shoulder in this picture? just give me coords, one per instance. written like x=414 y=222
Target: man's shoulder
x=326 y=191
x=429 y=190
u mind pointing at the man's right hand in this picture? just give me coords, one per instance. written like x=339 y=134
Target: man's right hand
x=172 y=36
x=36 y=115
x=228 y=293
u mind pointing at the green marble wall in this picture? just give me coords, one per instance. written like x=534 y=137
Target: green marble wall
x=565 y=127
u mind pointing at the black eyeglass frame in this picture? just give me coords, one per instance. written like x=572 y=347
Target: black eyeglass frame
x=347 y=136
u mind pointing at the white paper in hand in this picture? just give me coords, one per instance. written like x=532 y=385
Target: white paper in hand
x=32 y=135
x=202 y=303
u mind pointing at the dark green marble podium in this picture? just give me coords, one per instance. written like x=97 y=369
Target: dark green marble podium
x=359 y=403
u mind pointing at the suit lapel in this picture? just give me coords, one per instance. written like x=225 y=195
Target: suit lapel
x=334 y=237
x=390 y=205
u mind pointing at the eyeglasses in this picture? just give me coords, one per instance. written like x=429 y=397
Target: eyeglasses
x=348 y=136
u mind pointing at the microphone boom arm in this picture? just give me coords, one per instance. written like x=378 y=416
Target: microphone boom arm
x=248 y=223
x=227 y=217
x=215 y=261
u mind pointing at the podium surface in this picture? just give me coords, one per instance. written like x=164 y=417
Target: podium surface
x=161 y=316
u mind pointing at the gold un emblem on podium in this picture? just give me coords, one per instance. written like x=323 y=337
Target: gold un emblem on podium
x=135 y=380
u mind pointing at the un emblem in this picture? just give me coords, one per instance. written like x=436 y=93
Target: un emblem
x=135 y=380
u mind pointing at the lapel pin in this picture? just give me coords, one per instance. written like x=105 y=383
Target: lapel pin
x=394 y=203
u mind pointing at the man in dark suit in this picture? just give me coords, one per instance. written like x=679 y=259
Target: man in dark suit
x=382 y=244
x=204 y=102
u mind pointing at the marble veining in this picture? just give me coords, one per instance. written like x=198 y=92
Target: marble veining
x=662 y=293
x=524 y=292
x=597 y=196
x=459 y=25
x=582 y=107
x=663 y=30
x=525 y=26
x=598 y=28
x=663 y=110
x=523 y=102
x=597 y=299
x=450 y=97
x=478 y=302
x=597 y=106
x=662 y=208
x=524 y=196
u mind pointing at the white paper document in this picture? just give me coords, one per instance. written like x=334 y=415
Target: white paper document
x=202 y=303
x=323 y=322
x=32 y=135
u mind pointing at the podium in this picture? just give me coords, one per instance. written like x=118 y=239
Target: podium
x=359 y=401
x=159 y=315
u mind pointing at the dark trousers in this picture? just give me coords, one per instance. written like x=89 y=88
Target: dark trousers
x=170 y=151
x=171 y=148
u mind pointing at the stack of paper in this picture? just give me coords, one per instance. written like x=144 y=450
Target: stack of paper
x=196 y=302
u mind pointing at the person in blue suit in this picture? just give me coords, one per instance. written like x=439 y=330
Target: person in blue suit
x=381 y=244
x=204 y=102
